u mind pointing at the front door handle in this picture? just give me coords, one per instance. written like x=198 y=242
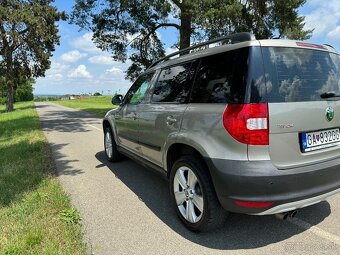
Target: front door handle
x=170 y=120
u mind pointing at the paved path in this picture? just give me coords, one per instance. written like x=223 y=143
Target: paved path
x=126 y=208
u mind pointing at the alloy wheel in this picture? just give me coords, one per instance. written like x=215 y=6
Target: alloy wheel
x=188 y=194
x=108 y=144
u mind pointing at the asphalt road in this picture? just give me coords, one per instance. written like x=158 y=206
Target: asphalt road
x=126 y=208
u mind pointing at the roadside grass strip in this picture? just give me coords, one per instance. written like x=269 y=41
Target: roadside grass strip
x=36 y=216
x=97 y=105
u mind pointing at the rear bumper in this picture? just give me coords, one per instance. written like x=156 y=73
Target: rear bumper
x=261 y=181
x=298 y=204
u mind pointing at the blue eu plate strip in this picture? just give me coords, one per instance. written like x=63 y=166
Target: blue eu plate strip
x=304 y=140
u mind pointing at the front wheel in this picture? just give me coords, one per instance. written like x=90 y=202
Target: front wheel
x=194 y=196
x=112 y=154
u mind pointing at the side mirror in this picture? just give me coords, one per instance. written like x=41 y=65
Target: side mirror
x=117 y=99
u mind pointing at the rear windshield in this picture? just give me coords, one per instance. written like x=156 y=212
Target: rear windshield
x=297 y=75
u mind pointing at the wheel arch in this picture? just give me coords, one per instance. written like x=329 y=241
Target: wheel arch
x=106 y=124
x=178 y=149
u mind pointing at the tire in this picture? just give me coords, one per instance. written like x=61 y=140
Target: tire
x=194 y=197
x=110 y=146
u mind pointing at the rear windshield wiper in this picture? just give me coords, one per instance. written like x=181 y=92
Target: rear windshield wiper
x=329 y=95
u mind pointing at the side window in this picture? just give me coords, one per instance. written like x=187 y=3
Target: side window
x=137 y=91
x=174 y=84
x=222 y=78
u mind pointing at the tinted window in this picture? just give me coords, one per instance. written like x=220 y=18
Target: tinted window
x=174 y=84
x=222 y=78
x=295 y=74
x=257 y=78
x=136 y=93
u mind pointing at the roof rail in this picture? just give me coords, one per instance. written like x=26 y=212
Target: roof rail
x=329 y=45
x=229 y=39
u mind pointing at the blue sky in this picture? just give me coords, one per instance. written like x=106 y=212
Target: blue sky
x=79 y=67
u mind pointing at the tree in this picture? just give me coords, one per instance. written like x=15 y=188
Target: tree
x=128 y=29
x=28 y=35
x=24 y=91
x=96 y=94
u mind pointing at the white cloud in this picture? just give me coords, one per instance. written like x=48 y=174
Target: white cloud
x=85 y=43
x=80 y=72
x=313 y=22
x=72 y=56
x=55 y=77
x=60 y=76
x=101 y=60
x=114 y=70
x=334 y=35
x=324 y=17
x=55 y=73
x=57 y=67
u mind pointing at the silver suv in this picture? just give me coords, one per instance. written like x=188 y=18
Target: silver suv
x=251 y=126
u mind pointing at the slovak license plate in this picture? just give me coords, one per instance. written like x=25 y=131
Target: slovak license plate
x=322 y=139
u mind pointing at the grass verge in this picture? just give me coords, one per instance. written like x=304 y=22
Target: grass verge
x=36 y=216
x=98 y=105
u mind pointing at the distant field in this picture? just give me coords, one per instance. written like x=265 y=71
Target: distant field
x=36 y=216
x=98 y=105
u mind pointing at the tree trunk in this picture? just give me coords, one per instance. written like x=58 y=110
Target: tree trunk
x=10 y=98
x=185 y=31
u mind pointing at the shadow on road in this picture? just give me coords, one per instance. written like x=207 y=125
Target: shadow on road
x=75 y=121
x=239 y=232
x=63 y=166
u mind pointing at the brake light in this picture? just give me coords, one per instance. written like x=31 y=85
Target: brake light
x=311 y=45
x=247 y=123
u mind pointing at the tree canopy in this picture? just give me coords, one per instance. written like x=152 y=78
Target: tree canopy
x=28 y=35
x=128 y=28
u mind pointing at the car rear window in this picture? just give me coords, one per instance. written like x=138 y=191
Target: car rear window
x=297 y=75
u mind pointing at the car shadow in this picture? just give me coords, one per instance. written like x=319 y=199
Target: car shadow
x=239 y=231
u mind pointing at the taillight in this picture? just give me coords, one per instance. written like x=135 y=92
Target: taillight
x=247 y=123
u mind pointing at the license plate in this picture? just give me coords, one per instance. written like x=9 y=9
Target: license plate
x=317 y=140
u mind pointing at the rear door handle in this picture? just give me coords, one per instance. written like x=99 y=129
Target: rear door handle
x=170 y=120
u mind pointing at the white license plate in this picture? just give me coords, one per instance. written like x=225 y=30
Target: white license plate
x=320 y=139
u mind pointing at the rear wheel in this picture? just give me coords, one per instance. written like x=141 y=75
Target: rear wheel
x=194 y=196
x=112 y=154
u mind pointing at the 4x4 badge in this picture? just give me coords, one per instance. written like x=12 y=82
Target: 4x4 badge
x=329 y=113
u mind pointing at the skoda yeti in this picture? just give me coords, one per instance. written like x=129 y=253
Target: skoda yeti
x=248 y=126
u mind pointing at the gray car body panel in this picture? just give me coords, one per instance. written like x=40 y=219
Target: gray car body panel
x=202 y=124
x=158 y=122
x=299 y=117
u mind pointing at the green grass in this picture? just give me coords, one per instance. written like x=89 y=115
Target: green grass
x=36 y=216
x=98 y=105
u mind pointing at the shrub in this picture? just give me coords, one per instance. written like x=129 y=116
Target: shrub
x=2 y=100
